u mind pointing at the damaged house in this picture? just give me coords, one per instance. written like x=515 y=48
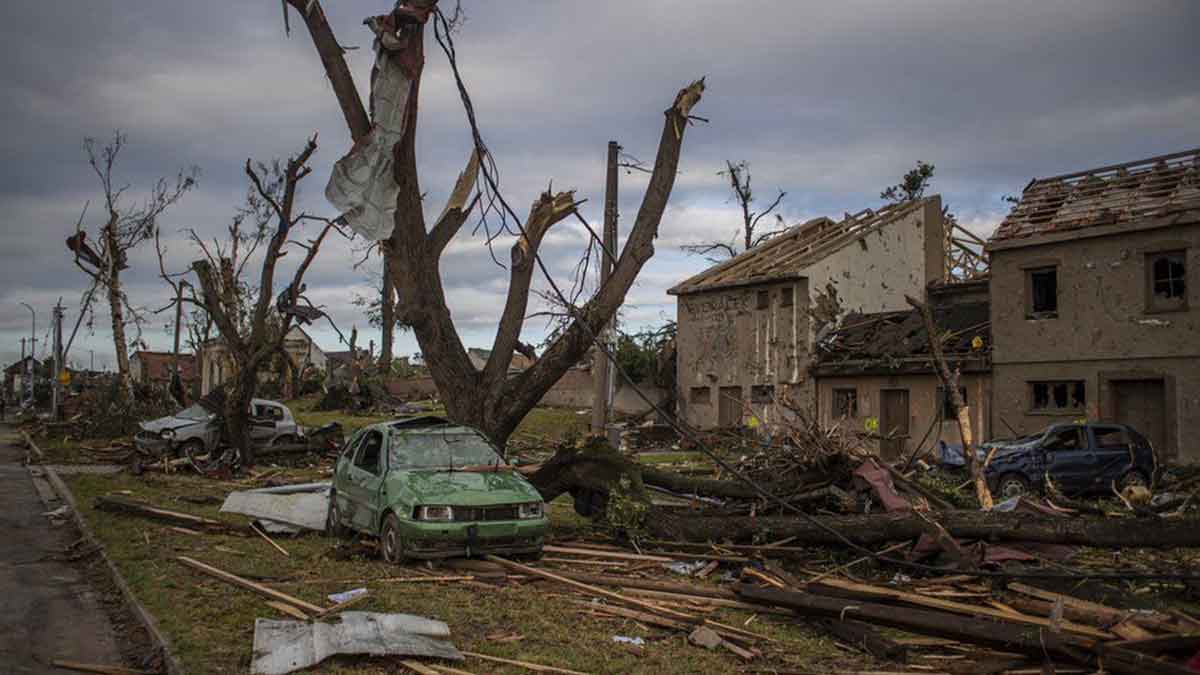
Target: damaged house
x=747 y=326
x=875 y=371
x=1095 y=310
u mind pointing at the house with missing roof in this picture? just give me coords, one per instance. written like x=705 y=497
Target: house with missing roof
x=876 y=370
x=1095 y=310
x=747 y=327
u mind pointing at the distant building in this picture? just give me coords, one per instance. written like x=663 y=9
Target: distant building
x=877 y=370
x=747 y=326
x=16 y=377
x=1095 y=304
x=479 y=359
x=217 y=366
x=149 y=367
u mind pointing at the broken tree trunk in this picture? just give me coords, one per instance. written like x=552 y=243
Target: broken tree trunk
x=961 y=411
x=873 y=529
x=998 y=634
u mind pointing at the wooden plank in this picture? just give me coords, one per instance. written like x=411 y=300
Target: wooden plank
x=956 y=607
x=250 y=585
x=269 y=540
x=536 y=667
x=97 y=668
x=594 y=590
x=418 y=667
x=598 y=553
x=345 y=604
x=288 y=609
x=1103 y=613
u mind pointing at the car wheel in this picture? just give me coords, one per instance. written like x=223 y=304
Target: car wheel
x=198 y=455
x=1011 y=486
x=1133 y=478
x=391 y=542
x=333 y=519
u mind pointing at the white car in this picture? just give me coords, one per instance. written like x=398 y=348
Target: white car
x=194 y=430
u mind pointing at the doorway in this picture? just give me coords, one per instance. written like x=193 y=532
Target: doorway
x=893 y=421
x=729 y=407
x=1142 y=405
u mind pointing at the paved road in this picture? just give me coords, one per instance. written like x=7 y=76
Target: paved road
x=47 y=609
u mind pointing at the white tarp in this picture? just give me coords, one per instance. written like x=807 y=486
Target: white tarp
x=362 y=186
x=298 y=506
x=287 y=646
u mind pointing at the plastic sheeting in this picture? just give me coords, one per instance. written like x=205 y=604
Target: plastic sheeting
x=362 y=186
x=287 y=646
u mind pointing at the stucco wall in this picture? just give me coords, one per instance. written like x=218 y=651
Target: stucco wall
x=923 y=403
x=726 y=341
x=1103 y=329
x=874 y=274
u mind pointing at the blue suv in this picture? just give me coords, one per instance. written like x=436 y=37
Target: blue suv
x=1079 y=458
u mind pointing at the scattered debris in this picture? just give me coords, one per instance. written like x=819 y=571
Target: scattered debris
x=97 y=668
x=287 y=646
x=282 y=509
x=339 y=598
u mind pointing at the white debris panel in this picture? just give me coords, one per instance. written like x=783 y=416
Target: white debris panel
x=287 y=646
x=362 y=186
x=294 y=506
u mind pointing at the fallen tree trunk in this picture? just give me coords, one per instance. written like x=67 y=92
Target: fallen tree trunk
x=1005 y=636
x=873 y=529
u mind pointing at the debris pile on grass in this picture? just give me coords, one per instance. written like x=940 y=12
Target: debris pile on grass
x=110 y=411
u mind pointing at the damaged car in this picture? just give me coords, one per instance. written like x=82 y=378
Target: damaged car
x=196 y=429
x=431 y=488
x=1079 y=458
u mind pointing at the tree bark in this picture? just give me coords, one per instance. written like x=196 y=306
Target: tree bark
x=116 y=307
x=237 y=411
x=387 y=315
x=870 y=530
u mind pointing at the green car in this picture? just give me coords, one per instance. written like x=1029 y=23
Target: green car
x=430 y=488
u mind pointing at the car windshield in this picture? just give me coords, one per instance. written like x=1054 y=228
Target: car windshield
x=440 y=450
x=194 y=412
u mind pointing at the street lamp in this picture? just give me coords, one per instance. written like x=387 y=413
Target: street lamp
x=32 y=350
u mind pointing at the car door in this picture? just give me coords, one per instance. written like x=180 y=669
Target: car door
x=1114 y=453
x=364 y=478
x=262 y=423
x=1069 y=460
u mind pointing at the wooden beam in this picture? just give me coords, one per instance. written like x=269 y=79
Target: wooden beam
x=250 y=585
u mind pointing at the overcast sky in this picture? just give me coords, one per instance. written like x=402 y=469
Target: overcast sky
x=827 y=101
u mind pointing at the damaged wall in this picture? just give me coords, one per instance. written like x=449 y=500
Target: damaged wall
x=734 y=342
x=924 y=393
x=1138 y=363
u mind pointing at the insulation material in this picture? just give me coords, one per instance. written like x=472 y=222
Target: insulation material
x=362 y=186
x=287 y=646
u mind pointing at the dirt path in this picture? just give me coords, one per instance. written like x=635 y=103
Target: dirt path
x=47 y=608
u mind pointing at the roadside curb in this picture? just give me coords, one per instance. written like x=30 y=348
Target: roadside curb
x=170 y=662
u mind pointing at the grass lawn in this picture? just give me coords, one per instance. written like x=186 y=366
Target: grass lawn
x=211 y=623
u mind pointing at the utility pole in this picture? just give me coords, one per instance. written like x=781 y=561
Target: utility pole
x=32 y=349
x=57 y=384
x=601 y=371
x=176 y=375
x=92 y=357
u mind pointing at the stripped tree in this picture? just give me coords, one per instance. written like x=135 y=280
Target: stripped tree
x=751 y=233
x=376 y=186
x=242 y=312
x=125 y=227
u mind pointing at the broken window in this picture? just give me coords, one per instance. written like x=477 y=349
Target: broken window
x=1168 y=280
x=762 y=393
x=1043 y=293
x=845 y=403
x=764 y=299
x=1066 y=438
x=947 y=407
x=1061 y=396
x=1110 y=438
x=787 y=296
x=369 y=451
x=701 y=395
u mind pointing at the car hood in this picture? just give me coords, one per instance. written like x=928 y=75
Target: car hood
x=461 y=488
x=169 y=422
